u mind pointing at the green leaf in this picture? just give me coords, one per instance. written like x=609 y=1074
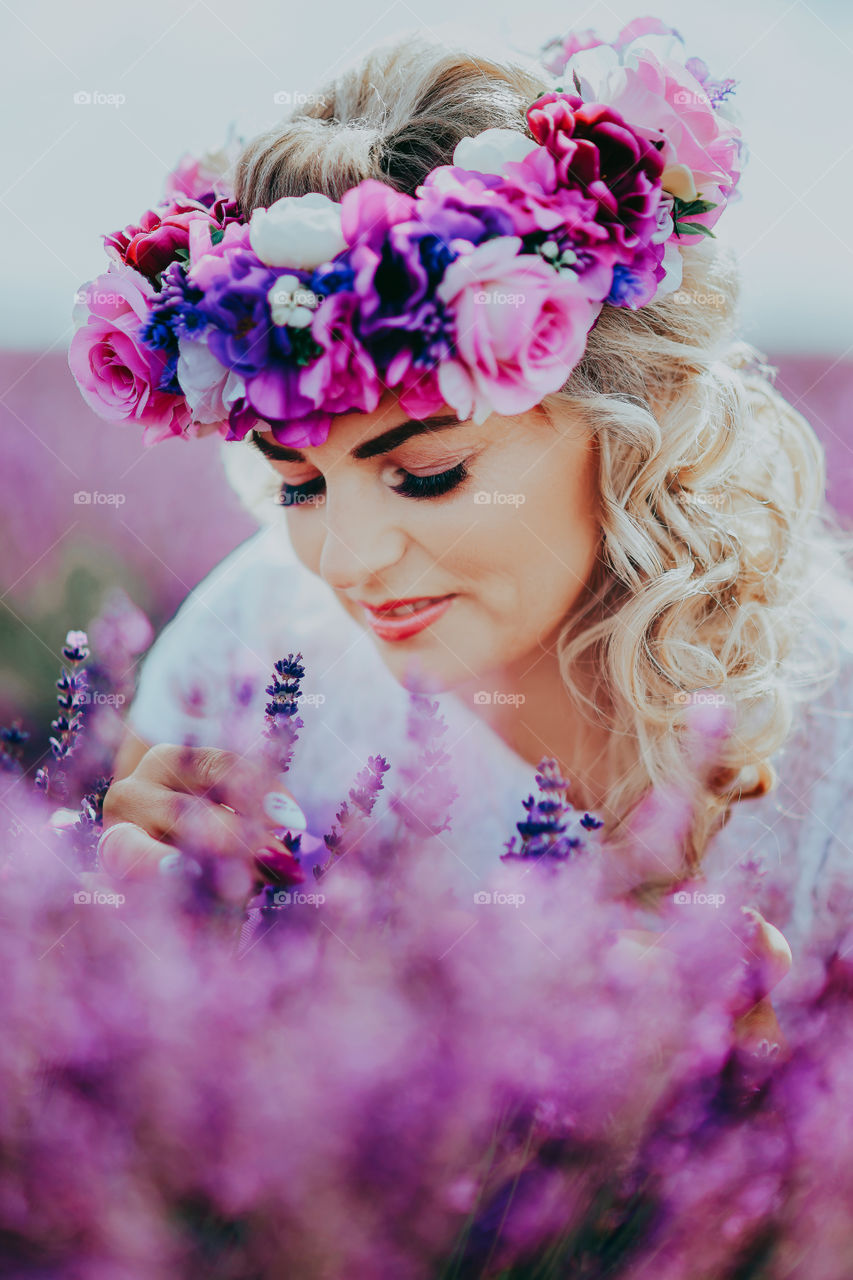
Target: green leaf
x=216 y=235
x=685 y=207
x=182 y=255
x=693 y=229
x=577 y=83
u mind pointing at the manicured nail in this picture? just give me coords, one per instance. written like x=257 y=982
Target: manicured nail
x=284 y=811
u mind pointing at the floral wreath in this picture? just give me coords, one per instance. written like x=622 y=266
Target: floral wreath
x=478 y=291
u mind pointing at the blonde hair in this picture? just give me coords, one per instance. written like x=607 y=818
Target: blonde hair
x=711 y=486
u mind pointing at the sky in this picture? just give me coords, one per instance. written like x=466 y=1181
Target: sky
x=176 y=75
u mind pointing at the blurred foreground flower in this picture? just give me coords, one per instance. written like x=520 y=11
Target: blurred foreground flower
x=382 y=1079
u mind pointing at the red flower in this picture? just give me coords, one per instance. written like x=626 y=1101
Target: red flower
x=161 y=233
x=599 y=152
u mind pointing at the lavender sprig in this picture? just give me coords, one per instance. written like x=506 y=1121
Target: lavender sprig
x=72 y=695
x=283 y=722
x=544 y=833
x=90 y=822
x=363 y=796
x=425 y=804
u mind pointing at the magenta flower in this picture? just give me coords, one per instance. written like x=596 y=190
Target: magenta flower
x=162 y=233
x=344 y=377
x=117 y=375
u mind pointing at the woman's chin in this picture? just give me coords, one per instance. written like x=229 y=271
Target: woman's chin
x=424 y=672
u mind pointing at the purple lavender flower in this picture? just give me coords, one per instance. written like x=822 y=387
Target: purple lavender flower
x=424 y=805
x=350 y=816
x=283 y=721
x=549 y=819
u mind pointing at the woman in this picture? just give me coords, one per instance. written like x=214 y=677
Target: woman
x=654 y=528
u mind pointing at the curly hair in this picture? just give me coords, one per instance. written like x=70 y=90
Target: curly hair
x=712 y=501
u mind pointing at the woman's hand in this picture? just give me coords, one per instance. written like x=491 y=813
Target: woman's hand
x=770 y=960
x=198 y=799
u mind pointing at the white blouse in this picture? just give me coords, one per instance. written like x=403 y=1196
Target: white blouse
x=260 y=603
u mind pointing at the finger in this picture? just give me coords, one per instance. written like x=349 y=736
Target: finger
x=223 y=777
x=127 y=851
x=769 y=950
x=191 y=822
x=759 y=1032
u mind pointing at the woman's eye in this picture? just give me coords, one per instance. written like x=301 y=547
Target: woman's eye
x=411 y=486
x=433 y=486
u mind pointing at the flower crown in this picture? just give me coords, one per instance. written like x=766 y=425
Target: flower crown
x=477 y=292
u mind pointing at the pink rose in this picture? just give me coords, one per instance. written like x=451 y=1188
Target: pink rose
x=665 y=96
x=116 y=374
x=521 y=328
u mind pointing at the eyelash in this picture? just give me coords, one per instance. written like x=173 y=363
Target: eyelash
x=418 y=487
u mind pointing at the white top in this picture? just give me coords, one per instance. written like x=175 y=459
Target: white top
x=260 y=603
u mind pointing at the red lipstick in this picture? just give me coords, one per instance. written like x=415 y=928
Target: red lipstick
x=429 y=610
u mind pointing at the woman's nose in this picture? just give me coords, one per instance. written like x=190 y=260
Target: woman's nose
x=359 y=544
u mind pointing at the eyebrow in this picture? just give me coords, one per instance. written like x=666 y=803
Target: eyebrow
x=371 y=448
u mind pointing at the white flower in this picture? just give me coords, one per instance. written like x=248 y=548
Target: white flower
x=491 y=149
x=297 y=231
x=291 y=302
x=209 y=387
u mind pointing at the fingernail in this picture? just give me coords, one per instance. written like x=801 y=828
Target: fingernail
x=284 y=811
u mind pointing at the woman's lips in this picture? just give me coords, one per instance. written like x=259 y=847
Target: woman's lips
x=409 y=624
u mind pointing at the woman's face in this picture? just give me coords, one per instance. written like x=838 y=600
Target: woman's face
x=501 y=518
